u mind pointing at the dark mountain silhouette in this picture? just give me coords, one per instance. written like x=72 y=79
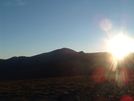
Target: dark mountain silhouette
x=58 y=63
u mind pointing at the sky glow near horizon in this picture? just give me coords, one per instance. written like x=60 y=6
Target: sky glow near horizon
x=30 y=27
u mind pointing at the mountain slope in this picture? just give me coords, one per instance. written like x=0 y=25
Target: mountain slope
x=31 y=67
x=58 y=63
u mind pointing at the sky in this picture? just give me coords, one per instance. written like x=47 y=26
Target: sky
x=30 y=27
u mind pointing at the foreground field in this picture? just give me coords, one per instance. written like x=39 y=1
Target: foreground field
x=80 y=88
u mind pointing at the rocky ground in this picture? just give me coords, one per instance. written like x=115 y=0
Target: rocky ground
x=80 y=88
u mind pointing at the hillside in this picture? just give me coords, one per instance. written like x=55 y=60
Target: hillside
x=66 y=75
x=58 y=63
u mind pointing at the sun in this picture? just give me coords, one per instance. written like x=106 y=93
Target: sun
x=120 y=46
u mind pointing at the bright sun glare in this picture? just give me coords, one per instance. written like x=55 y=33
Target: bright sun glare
x=120 y=46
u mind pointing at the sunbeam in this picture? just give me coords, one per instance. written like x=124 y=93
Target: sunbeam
x=120 y=46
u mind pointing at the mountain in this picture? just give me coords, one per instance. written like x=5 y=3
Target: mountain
x=58 y=63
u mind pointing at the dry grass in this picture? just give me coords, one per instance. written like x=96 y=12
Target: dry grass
x=79 y=88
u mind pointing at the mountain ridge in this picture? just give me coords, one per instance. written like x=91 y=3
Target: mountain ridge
x=58 y=63
x=64 y=50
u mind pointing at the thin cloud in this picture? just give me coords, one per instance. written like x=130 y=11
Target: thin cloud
x=20 y=2
x=16 y=2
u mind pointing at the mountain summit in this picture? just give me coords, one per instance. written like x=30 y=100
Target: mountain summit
x=58 y=52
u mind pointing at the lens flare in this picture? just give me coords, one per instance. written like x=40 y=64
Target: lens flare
x=126 y=75
x=99 y=75
x=106 y=24
x=126 y=98
x=120 y=46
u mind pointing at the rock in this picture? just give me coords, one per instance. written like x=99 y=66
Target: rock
x=122 y=92
x=64 y=92
x=52 y=100
x=61 y=95
x=76 y=98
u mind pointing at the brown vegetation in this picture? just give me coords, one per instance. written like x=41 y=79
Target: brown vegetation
x=79 y=88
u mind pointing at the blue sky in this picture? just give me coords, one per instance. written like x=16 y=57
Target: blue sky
x=30 y=27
